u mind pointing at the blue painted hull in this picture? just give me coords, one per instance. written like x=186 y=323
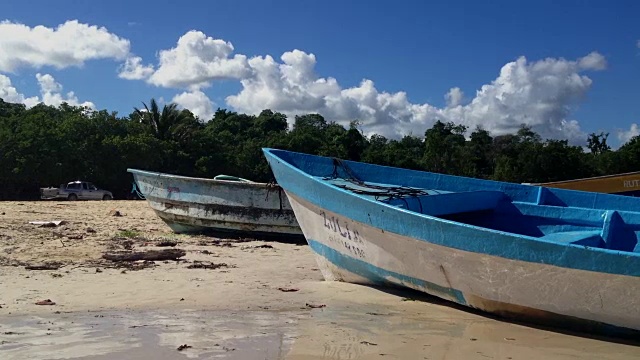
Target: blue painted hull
x=510 y=249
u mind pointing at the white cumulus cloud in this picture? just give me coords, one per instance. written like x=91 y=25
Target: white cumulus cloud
x=454 y=97
x=196 y=61
x=69 y=44
x=291 y=86
x=133 y=69
x=197 y=102
x=50 y=90
x=10 y=94
x=593 y=61
x=626 y=135
x=540 y=94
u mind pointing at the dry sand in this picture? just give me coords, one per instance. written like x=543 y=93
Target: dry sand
x=236 y=311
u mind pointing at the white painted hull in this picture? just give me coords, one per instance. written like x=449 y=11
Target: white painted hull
x=227 y=208
x=351 y=251
x=185 y=217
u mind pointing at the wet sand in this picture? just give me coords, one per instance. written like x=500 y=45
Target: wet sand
x=238 y=311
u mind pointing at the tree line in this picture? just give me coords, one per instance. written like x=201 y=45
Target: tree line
x=47 y=146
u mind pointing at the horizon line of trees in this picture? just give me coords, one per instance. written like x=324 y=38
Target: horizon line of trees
x=47 y=145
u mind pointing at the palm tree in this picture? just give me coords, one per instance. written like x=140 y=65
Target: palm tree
x=170 y=124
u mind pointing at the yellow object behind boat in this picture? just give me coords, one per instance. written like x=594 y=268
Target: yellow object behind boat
x=624 y=184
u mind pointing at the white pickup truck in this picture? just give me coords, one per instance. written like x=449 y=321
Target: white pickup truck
x=75 y=190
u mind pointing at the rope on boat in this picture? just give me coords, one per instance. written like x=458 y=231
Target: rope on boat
x=379 y=192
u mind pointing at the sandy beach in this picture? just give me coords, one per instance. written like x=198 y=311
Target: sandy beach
x=224 y=298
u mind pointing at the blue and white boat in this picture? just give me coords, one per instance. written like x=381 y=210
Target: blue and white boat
x=560 y=257
x=225 y=206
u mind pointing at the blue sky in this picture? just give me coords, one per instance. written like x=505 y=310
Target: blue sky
x=421 y=48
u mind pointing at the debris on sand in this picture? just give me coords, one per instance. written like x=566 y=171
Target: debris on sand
x=221 y=243
x=208 y=265
x=286 y=289
x=149 y=255
x=115 y=212
x=45 y=266
x=183 y=346
x=130 y=265
x=314 y=306
x=163 y=243
x=45 y=302
x=127 y=244
x=55 y=223
x=264 y=246
x=75 y=237
x=5 y=261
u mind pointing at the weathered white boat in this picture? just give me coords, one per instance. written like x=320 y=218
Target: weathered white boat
x=225 y=206
x=560 y=257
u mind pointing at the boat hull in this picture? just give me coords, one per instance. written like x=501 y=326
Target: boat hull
x=357 y=252
x=218 y=207
x=551 y=256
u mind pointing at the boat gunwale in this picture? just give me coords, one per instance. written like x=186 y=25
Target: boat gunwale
x=154 y=174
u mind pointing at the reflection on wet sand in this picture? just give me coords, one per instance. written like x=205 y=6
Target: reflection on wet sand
x=149 y=335
x=423 y=337
x=358 y=322
x=429 y=330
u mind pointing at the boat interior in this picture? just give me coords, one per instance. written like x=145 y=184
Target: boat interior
x=495 y=209
x=562 y=216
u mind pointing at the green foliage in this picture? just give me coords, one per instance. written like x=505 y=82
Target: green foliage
x=128 y=234
x=444 y=148
x=597 y=143
x=478 y=155
x=47 y=146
